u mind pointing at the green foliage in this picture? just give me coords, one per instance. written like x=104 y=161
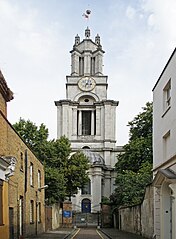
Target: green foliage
x=105 y=200
x=141 y=125
x=130 y=185
x=57 y=185
x=63 y=174
x=134 y=165
x=75 y=172
x=35 y=137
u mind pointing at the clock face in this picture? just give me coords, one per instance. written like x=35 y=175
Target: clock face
x=86 y=83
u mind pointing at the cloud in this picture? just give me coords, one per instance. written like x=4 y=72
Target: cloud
x=32 y=63
x=162 y=15
x=130 y=12
x=138 y=39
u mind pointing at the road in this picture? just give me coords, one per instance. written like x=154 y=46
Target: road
x=88 y=234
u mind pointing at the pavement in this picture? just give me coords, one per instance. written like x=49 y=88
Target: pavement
x=113 y=233
x=60 y=233
x=64 y=233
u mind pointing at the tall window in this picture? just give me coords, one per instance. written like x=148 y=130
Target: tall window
x=39 y=179
x=86 y=189
x=1 y=202
x=22 y=161
x=81 y=65
x=39 y=212
x=92 y=66
x=167 y=95
x=31 y=211
x=86 y=122
x=31 y=174
x=21 y=215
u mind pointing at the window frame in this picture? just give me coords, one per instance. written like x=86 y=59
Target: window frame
x=167 y=96
x=31 y=174
x=39 y=212
x=166 y=144
x=31 y=213
x=39 y=178
x=21 y=162
x=86 y=122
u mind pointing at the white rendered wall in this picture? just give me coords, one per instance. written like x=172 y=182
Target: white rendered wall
x=164 y=121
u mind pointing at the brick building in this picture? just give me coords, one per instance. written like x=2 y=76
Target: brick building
x=3 y=199
x=24 y=179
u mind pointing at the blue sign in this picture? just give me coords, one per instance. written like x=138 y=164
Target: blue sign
x=67 y=214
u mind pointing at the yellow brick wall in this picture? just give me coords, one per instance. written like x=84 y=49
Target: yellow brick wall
x=3 y=105
x=4 y=229
x=12 y=145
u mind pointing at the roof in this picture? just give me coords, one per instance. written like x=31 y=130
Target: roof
x=164 y=69
x=168 y=173
x=4 y=90
x=94 y=158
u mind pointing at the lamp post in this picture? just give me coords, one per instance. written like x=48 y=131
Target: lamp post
x=37 y=203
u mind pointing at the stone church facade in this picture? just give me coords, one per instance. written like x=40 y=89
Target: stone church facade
x=88 y=119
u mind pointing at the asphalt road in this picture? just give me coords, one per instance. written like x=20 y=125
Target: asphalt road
x=87 y=233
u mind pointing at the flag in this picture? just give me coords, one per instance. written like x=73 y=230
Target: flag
x=85 y=15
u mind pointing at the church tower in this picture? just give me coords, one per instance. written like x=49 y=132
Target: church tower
x=88 y=119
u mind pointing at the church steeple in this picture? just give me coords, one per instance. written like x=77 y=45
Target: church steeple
x=97 y=40
x=87 y=33
x=87 y=56
x=77 y=40
x=88 y=119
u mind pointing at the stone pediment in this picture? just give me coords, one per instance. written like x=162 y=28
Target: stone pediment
x=162 y=175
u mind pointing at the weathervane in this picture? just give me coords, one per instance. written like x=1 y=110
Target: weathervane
x=86 y=14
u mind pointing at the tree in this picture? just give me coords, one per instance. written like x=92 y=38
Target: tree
x=75 y=172
x=73 y=167
x=35 y=137
x=134 y=165
x=130 y=185
x=56 y=191
x=63 y=173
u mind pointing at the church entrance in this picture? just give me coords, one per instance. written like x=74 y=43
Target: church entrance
x=85 y=218
x=86 y=206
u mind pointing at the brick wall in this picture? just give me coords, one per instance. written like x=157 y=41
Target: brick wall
x=3 y=106
x=19 y=184
x=4 y=229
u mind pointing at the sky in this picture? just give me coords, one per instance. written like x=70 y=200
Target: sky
x=138 y=37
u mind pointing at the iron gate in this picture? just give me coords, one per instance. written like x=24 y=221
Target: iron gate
x=86 y=219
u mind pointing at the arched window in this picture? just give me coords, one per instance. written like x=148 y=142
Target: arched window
x=86 y=147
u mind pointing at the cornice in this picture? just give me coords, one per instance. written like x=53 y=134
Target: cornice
x=4 y=90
